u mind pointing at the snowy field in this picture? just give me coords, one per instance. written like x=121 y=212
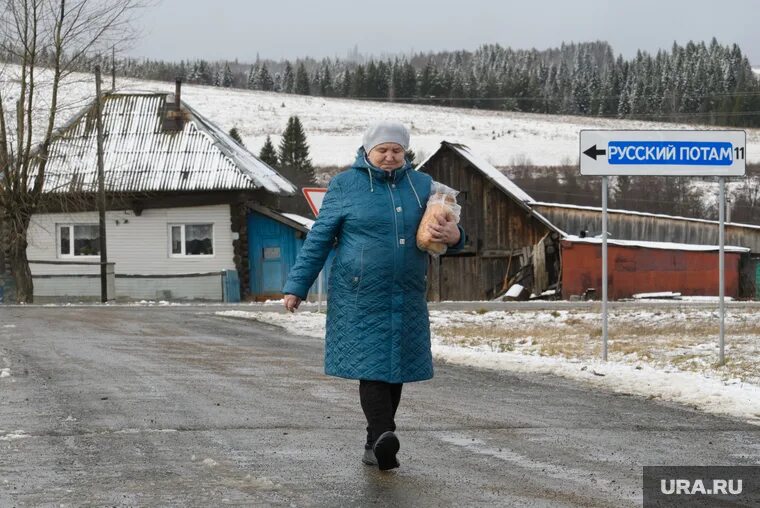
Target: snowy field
x=668 y=354
x=334 y=126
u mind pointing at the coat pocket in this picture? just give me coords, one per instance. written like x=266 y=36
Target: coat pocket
x=356 y=280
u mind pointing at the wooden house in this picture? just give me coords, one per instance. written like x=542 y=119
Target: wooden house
x=180 y=197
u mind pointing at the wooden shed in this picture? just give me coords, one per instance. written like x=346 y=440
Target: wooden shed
x=507 y=241
x=651 y=227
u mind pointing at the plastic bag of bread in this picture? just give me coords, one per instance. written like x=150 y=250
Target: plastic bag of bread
x=441 y=205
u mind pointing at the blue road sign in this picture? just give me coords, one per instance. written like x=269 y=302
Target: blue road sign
x=675 y=153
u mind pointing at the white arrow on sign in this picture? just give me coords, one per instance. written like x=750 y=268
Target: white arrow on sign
x=314 y=196
x=663 y=153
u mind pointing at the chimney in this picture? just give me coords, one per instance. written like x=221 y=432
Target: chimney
x=173 y=116
x=177 y=92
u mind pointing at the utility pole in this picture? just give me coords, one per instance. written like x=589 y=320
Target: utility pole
x=113 y=68
x=101 y=191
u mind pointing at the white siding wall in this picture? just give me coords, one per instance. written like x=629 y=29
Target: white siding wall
x=138 y=246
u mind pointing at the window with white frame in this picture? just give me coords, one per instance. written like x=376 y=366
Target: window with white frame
x=78 y=240
x=191 y=240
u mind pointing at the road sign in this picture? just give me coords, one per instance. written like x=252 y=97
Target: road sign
x=314 y=196
x=663 y=153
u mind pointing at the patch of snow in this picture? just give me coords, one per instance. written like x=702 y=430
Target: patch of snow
x=5 y=372
x=311 y=324
x=308 y=223
x=710 y=395
x=654 y=245
x=18 y=434
x=661 y=294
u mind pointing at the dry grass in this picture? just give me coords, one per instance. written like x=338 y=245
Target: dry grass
x=682 y=341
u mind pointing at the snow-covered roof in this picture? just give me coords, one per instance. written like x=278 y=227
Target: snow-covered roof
x=140 y=155
x=307 y=223
x=493 y=174
x=498 y=178
x=641 y=214
x=655 y=245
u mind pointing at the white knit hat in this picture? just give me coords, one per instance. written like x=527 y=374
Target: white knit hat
x=385 y=131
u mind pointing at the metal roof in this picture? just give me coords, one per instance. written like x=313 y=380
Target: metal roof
x=140 y=155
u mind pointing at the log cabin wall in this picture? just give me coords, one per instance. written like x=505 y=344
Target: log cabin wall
x=497 y=227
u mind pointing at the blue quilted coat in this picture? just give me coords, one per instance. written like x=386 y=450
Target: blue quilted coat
x=377 y=317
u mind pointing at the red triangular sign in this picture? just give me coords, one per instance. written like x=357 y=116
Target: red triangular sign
x=314 y=196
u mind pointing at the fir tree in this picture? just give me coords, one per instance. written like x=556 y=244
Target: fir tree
x=268 y=154
x=227 y=78
x=235 y=134
x=325 y=81
x=359 y=83
x=288 y=79
x=410 y=156
x=302 y=80
x=204 y=74
x=345 y=84
x=264 y=80
x=251 y=81
x=294 y=152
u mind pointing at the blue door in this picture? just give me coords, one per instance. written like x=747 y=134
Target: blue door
x=271 y=252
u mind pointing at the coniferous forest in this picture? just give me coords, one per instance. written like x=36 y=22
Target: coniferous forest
x=701 y=83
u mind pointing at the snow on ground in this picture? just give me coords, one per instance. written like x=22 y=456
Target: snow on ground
x=668 y=354
x=10 y=436
x=5 y=371
x=334 y=126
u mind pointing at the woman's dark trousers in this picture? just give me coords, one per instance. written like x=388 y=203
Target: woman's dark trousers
x=379 y=402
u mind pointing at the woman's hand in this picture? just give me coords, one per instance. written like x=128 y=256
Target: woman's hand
x=446 y=231
x=291 y=302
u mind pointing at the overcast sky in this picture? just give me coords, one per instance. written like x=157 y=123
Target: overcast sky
x=276 y=29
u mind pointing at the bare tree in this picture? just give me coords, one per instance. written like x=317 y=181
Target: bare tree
x=45 y=40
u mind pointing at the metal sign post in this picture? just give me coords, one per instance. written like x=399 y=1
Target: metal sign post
x=722 y=266
x=663 y=153
x=604 y=267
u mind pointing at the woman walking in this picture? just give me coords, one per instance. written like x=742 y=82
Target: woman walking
x=377 y=319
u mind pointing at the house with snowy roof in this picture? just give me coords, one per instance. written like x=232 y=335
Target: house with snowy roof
x=190 y=213
x=554 y=249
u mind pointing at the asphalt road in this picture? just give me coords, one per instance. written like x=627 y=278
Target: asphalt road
x=135 y=406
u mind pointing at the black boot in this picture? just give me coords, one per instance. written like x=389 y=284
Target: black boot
x=386 y=447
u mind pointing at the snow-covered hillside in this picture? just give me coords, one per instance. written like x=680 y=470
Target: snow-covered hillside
x=334 y=126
